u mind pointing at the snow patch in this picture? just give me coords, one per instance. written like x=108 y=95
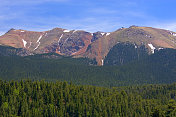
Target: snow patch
x=74 y=31
x=102 y=62
x=74 y=53
x=22 y=31
x=37 y=46
x=39 y=38
x=152 y=48
x=24 y=43
x=60 y=38
x=108 y=34
x=66 y=40
x=173 y=34
x=68 y=37
x=160 y=48
x=148 y=36
x=38 y=41
x=102 y=34
x=66 y=31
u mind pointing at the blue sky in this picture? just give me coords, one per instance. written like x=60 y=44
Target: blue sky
x=89 y=15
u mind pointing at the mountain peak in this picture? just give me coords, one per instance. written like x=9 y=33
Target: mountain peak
x=133 y=26
x=12 y=29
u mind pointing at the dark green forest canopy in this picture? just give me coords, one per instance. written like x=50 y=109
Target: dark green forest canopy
x=124 y=65
x=36 y=97
x=154 y=69
x=62 y=99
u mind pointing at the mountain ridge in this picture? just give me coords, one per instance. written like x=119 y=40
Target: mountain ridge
x=79 y=43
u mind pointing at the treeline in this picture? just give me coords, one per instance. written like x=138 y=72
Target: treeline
x=124 y=65
x=123 y=53
x=157 y=68
x=62 y=99
x=11 y=51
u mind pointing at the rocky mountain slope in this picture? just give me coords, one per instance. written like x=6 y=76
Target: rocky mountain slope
x=151 y=38
x=80 y=43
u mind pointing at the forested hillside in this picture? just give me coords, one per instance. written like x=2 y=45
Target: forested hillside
x=11 y=51
x=123 y=53
x=157 y=68
x=36 y=99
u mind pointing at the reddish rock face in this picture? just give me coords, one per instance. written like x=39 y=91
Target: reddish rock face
x=61 y=41
x=70 y=43
x=84 y=44
x=21 y=39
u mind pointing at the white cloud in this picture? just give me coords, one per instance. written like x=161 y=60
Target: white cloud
x=94 y=16
x=168 y=26
x=1 y=33
x=92 y=24
x=22 y=3
x=102 y=11
x=171 y=26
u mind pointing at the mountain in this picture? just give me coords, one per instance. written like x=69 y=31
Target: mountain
x=61 y=41
x=141 y=60
x=151 y=38
x=78 y=43
x=123 y=53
